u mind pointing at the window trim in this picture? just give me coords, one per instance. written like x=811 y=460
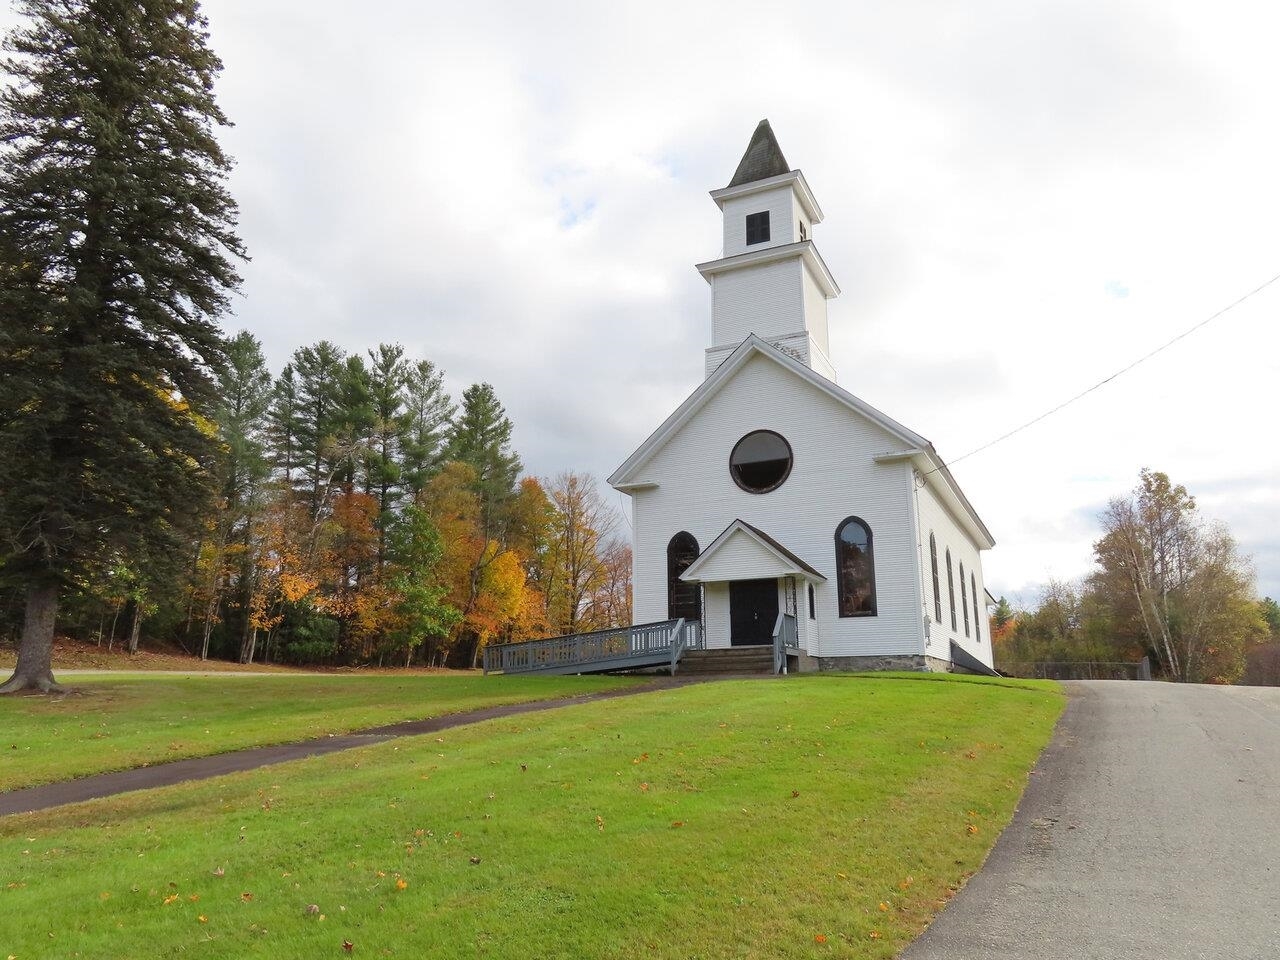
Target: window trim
x=977 y=630
x=673 y=577
x=791 y=461
x=871 y=563
x=759 y=217
x=951 y=589
x=964 y=599
x=937 y=584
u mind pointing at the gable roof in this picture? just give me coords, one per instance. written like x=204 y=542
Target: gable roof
x=788 y=562
x=763 y=158
x=914 y=447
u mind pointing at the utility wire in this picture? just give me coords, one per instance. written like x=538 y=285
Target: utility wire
x=1103 y=382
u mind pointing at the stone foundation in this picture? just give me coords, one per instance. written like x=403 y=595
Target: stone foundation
x=911 y=662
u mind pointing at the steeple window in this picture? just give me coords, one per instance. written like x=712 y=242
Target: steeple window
x=758 y=227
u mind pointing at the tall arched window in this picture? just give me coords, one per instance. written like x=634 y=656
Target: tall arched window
x=855 y=569
x=951 y=589
x=683 y=599
x=937 y=591
x=977 y=617
x=964 y=599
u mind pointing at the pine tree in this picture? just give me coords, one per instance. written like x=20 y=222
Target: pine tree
x=388 y=377
x=117 y=235
x=318 y=372
x=481 y=438
x=426 y=422
x=244 y=389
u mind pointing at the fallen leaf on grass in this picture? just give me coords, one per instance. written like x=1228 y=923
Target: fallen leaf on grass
x=875 y=934
x=401 y=883
x=600 y=823
x=971 y=829
x=202 y=918
x=819 y=938
x=677 y=823
x=348 y=946
x=170 y=898
x=883 y=906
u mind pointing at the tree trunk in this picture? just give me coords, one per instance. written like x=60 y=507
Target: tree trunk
x=35 y=657
x=248 y=642
x=136 y=629
x=209 y=613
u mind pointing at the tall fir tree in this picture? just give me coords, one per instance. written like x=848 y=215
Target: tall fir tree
x=388 y=377
x=481 y=438
x=425 y=424
x=245 y=393
x=118 y=239
x=318 y=372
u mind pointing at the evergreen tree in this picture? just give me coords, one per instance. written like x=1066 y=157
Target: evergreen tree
x=388 y=377
x=426 y=422
x=245 y=392
x=282 y=426
x=118 y=238
x=481 y=438
x=318 y=373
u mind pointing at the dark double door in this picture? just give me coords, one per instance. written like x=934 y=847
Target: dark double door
x=753 y=610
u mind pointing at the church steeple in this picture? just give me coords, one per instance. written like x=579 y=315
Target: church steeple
x=763 y=158
x=769 y=280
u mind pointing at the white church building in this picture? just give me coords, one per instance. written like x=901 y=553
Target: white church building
x=773 y=499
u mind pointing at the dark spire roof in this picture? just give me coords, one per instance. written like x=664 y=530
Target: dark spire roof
x=763 y=158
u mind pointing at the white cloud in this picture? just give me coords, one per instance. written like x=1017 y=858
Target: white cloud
x=1020 y=198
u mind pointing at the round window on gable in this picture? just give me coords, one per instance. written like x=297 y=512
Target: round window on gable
x=760 y=462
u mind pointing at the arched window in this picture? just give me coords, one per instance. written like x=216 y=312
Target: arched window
x=855 y=569
x=977 y=617
x=937 y=591
x=951 y=589
x=813 y=607
x=964 y=599
x=683 y=599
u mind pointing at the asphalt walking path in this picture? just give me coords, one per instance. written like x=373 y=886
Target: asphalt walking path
x=49 y=795
x=1150 y=829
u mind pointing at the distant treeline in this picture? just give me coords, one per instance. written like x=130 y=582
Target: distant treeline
x=362 y=516
x=1167 y=584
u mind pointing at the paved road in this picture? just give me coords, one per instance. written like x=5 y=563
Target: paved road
x=1151 y=829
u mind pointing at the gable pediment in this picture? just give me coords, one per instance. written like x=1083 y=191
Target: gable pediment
x=744 y=552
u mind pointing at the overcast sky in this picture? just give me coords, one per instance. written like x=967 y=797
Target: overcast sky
x=1020 y=198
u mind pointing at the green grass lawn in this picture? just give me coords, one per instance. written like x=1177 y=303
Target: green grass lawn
x=806 y=817
x=118 y=721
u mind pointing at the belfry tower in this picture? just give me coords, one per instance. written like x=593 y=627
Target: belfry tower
x=770 y=280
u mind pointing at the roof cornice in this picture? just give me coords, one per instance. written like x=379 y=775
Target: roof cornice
x=803 y=250
x=794 y=177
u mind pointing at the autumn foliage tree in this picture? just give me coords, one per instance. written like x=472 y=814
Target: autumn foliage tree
x=1177 y=582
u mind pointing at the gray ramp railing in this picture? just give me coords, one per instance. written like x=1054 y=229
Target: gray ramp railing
x=785 y=637
x=619 y=648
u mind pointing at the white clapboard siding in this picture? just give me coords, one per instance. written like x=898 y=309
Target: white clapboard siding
x=834 y=476
x=767 y=300
x=815 y=312
x=781 y=204
x=935 y=518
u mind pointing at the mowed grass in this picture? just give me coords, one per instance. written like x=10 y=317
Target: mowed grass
x=805 y=817
x=116 y=722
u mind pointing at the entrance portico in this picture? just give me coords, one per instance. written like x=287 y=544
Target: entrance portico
x=753 y=586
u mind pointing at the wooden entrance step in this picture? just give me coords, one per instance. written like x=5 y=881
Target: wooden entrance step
x=728 y=661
